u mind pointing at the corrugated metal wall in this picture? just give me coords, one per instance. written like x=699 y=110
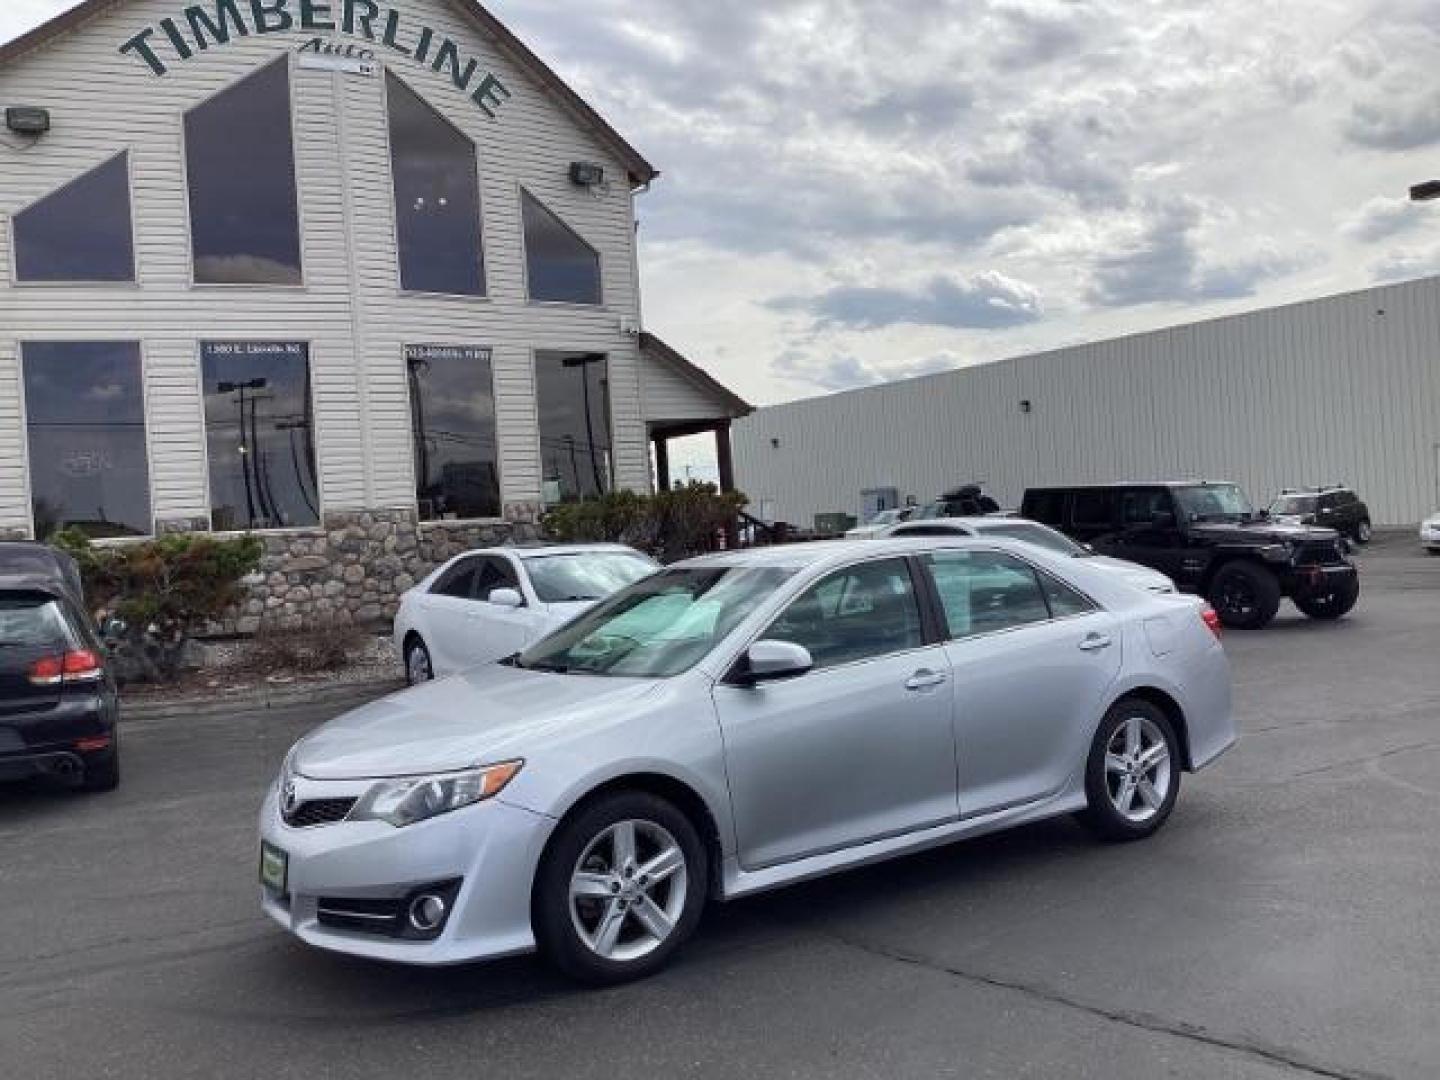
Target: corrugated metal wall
x=350 y=308
x=1346 y=388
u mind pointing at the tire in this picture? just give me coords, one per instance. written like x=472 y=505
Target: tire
x=418 y=667
x=1132 y=774
x=1335 y=604
x=102 y=773
x=1363 y=532
x=596 y=921
x=1246 y=596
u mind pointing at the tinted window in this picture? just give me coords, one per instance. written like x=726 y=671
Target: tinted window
x=572 y=393
x=85 y=422
x=437 y=198
x=1046 y=506
x=854 y=614
x=240 y=162
x=452 y=413
x=1094 y=507
x=559 y=579
x=459 y=580
x=81 y=232
x=495 y=573
x=985 y=591
x=260 y=434
x=31 y=621
x=1139 y=507
x=1063 y=600
x=560 y=266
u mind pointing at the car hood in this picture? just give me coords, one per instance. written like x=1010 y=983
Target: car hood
x=1263 y=532
x=489 y=713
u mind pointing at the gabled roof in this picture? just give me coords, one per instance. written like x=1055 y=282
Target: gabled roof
x=640 y=171
x=734 y=405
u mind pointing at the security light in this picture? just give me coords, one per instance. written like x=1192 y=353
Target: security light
x=27 y=120
x=1430 y=189
x=587 y=173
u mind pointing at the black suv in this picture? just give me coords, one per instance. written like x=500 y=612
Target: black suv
x=1209 y=540
x=1337 y=508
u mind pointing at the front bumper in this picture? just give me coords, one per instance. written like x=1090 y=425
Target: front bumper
x=492 y=849
x=1306 y=581
x=1430 y=537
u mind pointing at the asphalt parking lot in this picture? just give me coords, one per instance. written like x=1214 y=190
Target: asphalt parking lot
x=1282 y=925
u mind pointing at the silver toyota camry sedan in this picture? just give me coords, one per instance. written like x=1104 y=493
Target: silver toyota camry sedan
x=733 y=724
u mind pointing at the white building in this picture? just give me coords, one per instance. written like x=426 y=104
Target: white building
x=1342 y=389
x=358 y=274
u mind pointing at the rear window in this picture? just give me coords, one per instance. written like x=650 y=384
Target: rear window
x=32 y=622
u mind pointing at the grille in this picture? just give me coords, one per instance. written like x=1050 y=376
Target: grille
x=380 y=916
x=1320 y=552
x=305 y=815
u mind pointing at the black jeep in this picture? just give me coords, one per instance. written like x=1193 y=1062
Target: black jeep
x=1209 y=539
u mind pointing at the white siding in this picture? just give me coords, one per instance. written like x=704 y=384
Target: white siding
x=1341 y=389
x=669 y=395
x=350 y=309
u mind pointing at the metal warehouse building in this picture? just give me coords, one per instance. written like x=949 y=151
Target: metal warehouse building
x=1341 y=389
x=359 y=275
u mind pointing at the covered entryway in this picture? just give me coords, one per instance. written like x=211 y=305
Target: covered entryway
x=680 y=400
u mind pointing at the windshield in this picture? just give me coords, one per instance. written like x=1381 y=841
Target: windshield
x=657 y=627
x=592 y=575
x=1214 y=502
x=885 y=517
x=1293 y=504
x=1038 y=535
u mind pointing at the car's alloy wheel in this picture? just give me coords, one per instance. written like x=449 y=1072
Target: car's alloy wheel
x=1132 y=773
x=1245 y=596
x=628 y=890
x=418 y=668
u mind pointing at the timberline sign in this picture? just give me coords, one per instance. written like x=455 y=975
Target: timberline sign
x=217 y=22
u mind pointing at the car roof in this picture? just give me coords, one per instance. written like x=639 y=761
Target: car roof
x=1131 y=484
x=26 y=564
x=838 y=552
x=542 y=550
x=981 y=522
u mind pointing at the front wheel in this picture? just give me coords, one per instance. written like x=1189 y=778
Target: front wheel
x=1334 y=604
x=620 y=888
x=1132 y=776
x=1246 y=596
x=418 y=667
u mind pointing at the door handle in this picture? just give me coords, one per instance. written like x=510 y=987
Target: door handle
x=924 y=679
x=1096 y=642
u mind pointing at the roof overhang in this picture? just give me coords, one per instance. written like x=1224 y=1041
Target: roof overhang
x=729 y=405
x=639 y=171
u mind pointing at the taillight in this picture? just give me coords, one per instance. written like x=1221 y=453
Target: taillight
x=1212 y=620
x=76 y=666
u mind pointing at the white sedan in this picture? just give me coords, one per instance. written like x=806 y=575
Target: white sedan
x=491 y=603
x=1032 y=532
x=1430 y=534
x=878 y=524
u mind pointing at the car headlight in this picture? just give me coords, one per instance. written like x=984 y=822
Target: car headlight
x=406 y=800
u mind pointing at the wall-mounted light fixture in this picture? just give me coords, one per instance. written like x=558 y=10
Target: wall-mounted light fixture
x=774 y=444
x=587 y=174
x=27 y=120
x=1025 y=406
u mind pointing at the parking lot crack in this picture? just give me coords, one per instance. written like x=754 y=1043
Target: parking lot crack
x=1142 y=1021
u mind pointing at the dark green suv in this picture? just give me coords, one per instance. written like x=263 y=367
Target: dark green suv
x=1337 y=508
x=1209 y=540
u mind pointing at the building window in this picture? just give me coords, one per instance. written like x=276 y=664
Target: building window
x=85 y=423
x=560 y=267
x=80 y=232
x=572 y=392
x=260 y=435
x=452 y=412
x=240 y=162
x=437 y=198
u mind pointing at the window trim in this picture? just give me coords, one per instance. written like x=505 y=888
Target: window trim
x=414 y=465
x=949 y=639
x=24 y=411
x=82 y=283
x=485 y=292
x=530 y=300
x=303 y=284
x=539 y=445
x=315 y=427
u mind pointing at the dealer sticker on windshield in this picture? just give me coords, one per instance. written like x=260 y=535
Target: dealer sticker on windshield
x=274 y=868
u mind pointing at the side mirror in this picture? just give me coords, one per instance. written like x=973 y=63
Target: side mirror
x=769 y=661
x=507 y=598
x=1163 y=519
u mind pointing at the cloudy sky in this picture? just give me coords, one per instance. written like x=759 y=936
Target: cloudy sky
x=860 y=190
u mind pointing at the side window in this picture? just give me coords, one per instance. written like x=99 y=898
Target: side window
x=930 y=530
x=1139 y=507
x=495 y=573
x=1063 y=600
x=857 y=613
x=985 y=591
x=1094 y=507
x=458 y=581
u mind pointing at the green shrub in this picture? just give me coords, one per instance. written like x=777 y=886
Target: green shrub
x=670 y=524
x=152 y=596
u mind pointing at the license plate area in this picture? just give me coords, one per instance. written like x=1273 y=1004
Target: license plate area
x=274 y=869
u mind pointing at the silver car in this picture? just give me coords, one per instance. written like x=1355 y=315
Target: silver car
x=733 y=724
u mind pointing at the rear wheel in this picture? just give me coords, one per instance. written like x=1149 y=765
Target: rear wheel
x=418 y=668
x=1246 y=596
x=1132 y=776
x=102 y=773
x=620 y=888
x=1334 y=604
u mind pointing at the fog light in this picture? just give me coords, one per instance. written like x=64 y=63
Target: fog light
x=427 y=912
